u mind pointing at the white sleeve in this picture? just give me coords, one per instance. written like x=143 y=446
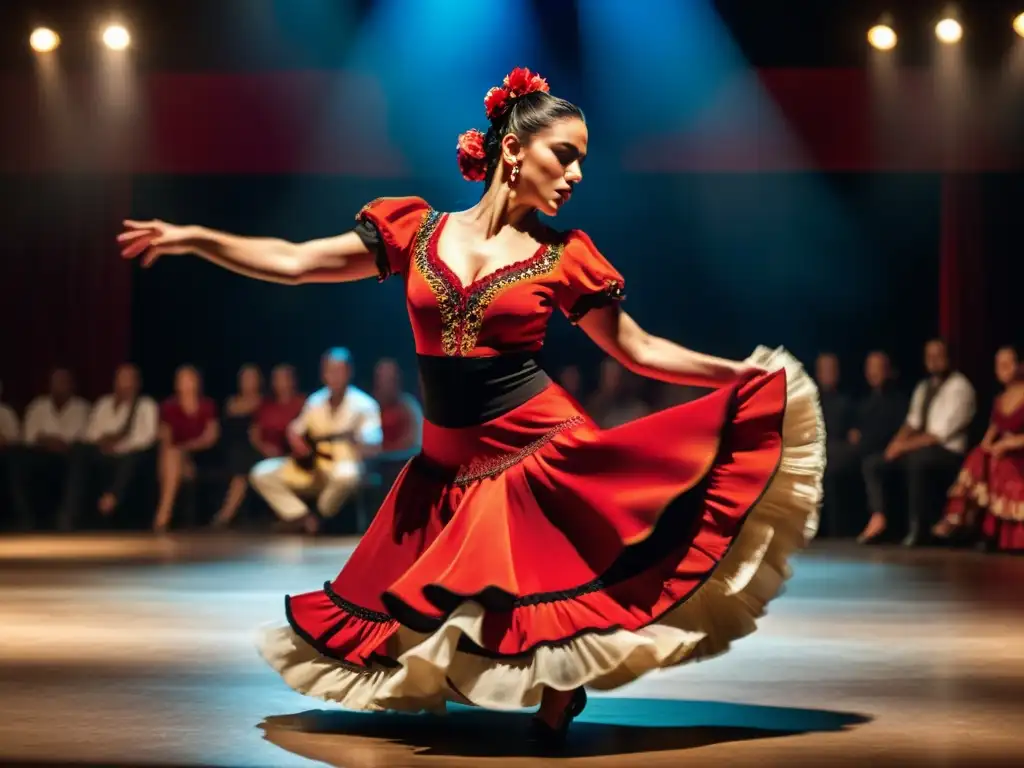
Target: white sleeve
x=956 y=413
x=144 y=428
x=300 y=424
x=33 y=422
x=94 y=429
x=370 y=430
x=914 y=412
x=79 y=421
x=9 y=427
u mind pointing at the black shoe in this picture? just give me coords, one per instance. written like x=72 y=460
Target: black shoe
x=548 y=738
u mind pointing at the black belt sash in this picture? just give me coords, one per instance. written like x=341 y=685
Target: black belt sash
x=467 y=391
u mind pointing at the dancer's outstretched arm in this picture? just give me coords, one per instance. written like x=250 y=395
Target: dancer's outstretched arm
x=621 y=336
x=328 y=260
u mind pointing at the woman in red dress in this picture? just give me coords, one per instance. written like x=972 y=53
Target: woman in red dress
x=188 y=427
x=525 y=553
x=991 y=481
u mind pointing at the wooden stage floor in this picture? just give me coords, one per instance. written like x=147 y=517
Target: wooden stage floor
x=138 y=651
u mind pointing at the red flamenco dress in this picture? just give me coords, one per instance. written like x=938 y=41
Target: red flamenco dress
x=993 y=486
x=525 y=547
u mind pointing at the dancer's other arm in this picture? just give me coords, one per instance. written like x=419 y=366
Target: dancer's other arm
x=338 y=259
x=618 y=334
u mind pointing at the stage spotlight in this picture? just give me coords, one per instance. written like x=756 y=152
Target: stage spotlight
x=1018 y=25
x=44 y=40
x=949 y=31
x=882 y=37
x=116 y=37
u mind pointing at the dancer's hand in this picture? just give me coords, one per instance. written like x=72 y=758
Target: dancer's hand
x=153 y=239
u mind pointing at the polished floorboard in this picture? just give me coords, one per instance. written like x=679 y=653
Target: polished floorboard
x=118 y=651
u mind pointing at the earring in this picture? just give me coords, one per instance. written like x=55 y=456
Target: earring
x=513 y=178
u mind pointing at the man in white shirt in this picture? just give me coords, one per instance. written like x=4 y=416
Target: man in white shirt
x=122 y=428
x=53 y=423
x=346 y=422
x=927 y=451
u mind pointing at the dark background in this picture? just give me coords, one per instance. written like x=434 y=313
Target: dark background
x=744 y=173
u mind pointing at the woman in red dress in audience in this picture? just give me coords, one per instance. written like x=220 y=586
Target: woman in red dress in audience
x=991 y=482
x=188 y=427
x=269 y=431
x=525 y=553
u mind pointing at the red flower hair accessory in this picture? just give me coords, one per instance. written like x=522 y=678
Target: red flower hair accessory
x=519 y=82
x=471 y=155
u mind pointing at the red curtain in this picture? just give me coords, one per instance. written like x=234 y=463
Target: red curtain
x=964 y=299
x=65 y=295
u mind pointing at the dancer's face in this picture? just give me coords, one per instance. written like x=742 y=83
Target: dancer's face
x=550 y=164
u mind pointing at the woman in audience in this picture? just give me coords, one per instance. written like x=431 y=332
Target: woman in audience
x=240 y=455
x=269 y=429
x=991 y=482
x=188 y=428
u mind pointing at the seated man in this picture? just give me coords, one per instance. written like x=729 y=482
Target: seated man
x=53 y=423
x=926 y=452
x=874 y=422
x=338 y=428
x=122 y=428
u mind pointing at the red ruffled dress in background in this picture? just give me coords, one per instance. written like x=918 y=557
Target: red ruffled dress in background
x=993 y=486
x=525 y=547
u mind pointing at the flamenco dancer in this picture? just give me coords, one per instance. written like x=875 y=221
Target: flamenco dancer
x=525 y=553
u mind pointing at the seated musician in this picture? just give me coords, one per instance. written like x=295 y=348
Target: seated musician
x=338 y=428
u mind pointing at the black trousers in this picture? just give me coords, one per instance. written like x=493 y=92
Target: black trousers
x=844 y=494
x=92 y=473
x=36 y=478
x=924 y=475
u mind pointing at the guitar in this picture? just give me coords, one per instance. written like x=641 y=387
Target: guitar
x=303 y=472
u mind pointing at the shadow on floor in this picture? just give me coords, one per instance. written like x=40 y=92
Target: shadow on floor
x=608 y=727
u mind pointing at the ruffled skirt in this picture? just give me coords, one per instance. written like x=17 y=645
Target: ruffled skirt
x=538 y=550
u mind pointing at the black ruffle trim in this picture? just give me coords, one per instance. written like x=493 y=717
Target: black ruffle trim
x=370 y=235
x=613 y=292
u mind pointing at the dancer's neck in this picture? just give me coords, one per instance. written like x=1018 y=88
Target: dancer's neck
x=498 y=209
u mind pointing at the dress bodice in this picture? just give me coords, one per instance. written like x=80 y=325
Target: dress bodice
x=1008 y=423
x=506 y=311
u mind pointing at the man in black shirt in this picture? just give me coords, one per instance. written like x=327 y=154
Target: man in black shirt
x=866 y=429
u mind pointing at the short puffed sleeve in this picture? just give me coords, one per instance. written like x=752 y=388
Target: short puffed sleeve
x=388 y=226
x=588 y=280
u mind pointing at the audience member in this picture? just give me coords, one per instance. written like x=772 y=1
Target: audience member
x=615 y=402
x=188 y=429
x=53 y=423
x=991 y=480
x=874 y=422
x=400 y=414
x=881 y=413
x=338 y=428
x=927 y=450
x=269 y=431
x=122 y=428
x=240 y=455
